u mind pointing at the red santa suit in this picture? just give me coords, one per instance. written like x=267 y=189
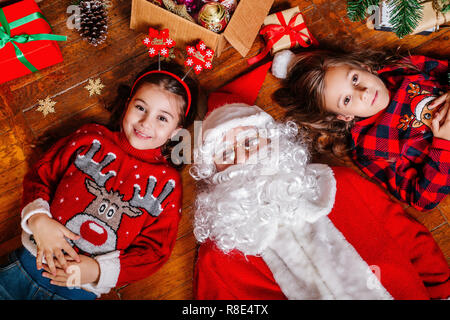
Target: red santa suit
x=351 y=243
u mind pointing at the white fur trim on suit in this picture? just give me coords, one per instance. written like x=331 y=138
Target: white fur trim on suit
x=109 y=273
x=34 y=207
x=317 y=262
x=312 y=209
x=282 y=62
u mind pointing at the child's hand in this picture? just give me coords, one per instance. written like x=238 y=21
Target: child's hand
x=49 y=236
x=441 y=121
x=76 y=273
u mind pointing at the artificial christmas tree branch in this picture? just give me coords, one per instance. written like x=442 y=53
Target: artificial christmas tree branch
x=405 y=15
x=357 y=9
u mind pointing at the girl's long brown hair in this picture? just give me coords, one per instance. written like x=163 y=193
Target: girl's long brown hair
x=302 y=94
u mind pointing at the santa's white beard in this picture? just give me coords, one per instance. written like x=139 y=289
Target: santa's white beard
x=243 y=206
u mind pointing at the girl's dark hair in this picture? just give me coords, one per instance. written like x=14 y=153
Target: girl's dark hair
x=302 y=94
x=169 y=83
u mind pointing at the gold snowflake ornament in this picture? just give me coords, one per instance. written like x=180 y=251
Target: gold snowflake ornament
x=94 y=86
x=46 y=106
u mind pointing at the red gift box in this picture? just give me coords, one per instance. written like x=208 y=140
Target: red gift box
x=25 y=40
x=284 y=30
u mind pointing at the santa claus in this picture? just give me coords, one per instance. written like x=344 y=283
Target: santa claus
x=272 y=225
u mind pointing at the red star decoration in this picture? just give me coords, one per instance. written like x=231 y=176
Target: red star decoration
x=158 y=42
x=199 y=57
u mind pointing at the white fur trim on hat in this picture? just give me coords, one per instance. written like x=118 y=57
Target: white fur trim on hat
x=225 y=118
x=282 y=63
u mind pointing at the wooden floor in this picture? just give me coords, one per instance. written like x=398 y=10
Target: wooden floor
x=117 y=61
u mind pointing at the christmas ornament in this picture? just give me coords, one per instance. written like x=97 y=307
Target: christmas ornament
x=158 y=42
x=199 y=57
x=192 y=6
x=94 y=86
x=230 y=5
x=46 y=106
x=213 y=16
x=93 y=21
x=178 y=9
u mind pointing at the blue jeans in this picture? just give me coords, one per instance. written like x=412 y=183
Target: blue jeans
x=20 y=280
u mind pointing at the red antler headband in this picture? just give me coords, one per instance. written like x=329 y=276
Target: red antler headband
x=199 y=57
x=188 y=92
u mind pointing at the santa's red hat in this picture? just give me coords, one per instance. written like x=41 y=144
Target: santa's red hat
x=233 y=106
x=244 y=89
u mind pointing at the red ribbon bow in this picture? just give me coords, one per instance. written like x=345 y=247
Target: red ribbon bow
x=274 y=32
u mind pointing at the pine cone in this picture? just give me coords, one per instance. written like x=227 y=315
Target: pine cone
x=93 y=21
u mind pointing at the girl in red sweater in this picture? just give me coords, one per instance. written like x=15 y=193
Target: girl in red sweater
x=101 y=208
x=392 y=114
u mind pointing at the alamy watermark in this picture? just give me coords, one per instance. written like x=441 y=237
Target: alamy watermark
x=74 y=18
x=374 y=279
x=248 y=146
x=74 y=279
x=374 y=15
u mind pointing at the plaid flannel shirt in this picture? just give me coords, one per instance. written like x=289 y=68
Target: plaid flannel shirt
x=396 y=147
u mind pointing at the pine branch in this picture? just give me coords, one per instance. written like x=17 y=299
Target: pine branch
x=405 y=16
x=357 y=9
x=445 y=6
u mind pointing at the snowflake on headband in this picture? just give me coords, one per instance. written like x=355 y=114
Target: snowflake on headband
x=158 y=42
x=199 y=57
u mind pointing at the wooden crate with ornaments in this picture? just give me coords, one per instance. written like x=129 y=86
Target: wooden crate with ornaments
x=240 y=31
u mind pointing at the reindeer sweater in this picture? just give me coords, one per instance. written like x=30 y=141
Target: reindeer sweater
x=396 y=147
x=123 y=202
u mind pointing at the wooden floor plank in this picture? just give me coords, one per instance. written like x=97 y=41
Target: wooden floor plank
x=172 y=274
x=442 y=237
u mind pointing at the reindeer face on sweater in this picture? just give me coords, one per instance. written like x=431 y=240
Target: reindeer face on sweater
x=99 y=222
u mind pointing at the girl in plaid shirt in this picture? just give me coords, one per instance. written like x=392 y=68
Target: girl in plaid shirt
x=391 y=114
